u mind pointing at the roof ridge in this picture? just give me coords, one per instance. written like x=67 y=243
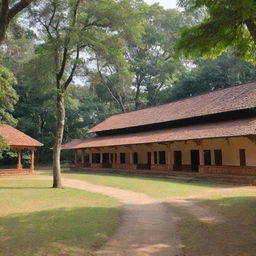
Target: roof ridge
x=180 y=100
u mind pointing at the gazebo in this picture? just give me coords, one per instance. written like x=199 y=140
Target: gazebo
x=19 y=141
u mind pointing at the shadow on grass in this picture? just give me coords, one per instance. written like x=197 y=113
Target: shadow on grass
x=235 y=236
x=63 y=231
x=37 y=188
x=145 y=178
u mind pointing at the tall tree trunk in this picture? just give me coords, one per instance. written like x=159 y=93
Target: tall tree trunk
x=4 y=21
x=251 y=25
x=58 y=140
x=137 y=97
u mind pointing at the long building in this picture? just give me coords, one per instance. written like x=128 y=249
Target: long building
x=213 y=133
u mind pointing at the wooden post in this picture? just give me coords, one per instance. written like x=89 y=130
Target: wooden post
x=169 y=157
x=118 y=157
x=19 y=165
x=131 y=157
x=201 y=153
x=32 y=163
x=82 y=158
x=90 y=157
x=152 y=158
x=75 y=157
x=101 y=158
x=114 y=158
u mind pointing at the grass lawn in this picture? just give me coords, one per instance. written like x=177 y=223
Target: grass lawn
x=155 y=187
x=234 y=236
x=36 y=220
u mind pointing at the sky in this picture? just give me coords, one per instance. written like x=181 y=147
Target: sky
x=165 y=3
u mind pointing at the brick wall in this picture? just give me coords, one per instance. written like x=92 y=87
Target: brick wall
x=182 y=168
x=161 y=167
x=125 y=166
x=94 y=165
x=230 y=170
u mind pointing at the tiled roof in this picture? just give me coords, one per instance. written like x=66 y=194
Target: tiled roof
x=72 y=143
x=15 y=137
x=219 y=101
x=234 y=128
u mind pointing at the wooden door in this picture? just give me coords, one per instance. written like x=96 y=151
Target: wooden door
x=195 y=160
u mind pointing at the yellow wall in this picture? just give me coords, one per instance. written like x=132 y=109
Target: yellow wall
x=230 y=150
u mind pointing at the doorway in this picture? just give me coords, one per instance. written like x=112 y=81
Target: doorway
x=195 y=160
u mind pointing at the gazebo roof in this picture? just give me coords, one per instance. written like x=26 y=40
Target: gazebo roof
x=17 y=138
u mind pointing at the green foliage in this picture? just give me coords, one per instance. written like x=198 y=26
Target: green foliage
x=227 y=23
x=151 y=60
x=209 y=75
x=8 y=96
x=3 y=145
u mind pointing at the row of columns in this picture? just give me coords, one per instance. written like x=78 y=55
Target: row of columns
x=32 y=162
x=116 y=157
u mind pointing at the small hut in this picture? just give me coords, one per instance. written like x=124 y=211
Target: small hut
x=19 y=141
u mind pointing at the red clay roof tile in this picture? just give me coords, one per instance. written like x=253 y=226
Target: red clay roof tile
x=224 y=100
x=234 y=128
x=15 y=137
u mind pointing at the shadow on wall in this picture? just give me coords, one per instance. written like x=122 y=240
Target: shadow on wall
x=75 y=231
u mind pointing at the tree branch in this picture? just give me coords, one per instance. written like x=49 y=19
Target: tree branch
x=68 y=81
x=22 y=4
x=63 y=63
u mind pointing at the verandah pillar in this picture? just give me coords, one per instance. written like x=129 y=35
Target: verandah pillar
x=114 y=159
x=19 y=165
x=90 y=158
x=169 y=157
x=101 y=158
x=152 y=157
x=82 y=158
x=201 y=153
x=75 y=157
x=130 y=157
x=32 y=163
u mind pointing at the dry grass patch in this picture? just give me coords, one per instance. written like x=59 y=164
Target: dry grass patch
x=234 y=235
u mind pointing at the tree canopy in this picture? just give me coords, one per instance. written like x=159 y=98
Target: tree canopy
x=226 y=23
x=102 y=57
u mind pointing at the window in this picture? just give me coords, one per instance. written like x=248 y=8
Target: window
x=162 y=157
x=135 y=157
x=207 y=157
x=218 y=156
x=242 y=157
x=96 y=158
x=122 y=158
x=155 y=158
x=177 y=158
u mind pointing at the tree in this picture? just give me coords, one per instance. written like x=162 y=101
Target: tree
x=151 y=60
x=76 y=29
x=227 y=23
x=8 y=11
x=8 y=96
x=209 y=75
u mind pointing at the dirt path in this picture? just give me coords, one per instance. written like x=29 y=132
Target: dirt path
x=147 y=227
x=189 y=203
